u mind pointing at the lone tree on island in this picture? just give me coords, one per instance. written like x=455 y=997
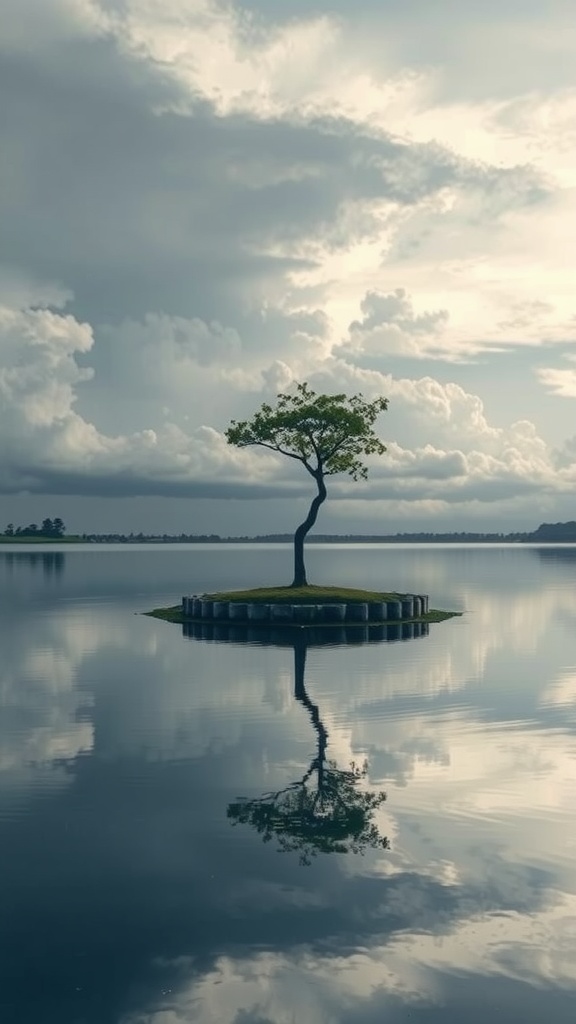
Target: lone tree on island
x=328 y=434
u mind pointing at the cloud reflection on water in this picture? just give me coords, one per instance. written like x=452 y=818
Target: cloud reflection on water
x=130 y=860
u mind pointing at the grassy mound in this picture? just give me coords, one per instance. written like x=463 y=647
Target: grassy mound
x=306 y=595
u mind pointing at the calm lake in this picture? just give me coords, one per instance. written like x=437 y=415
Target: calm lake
x=195 y=830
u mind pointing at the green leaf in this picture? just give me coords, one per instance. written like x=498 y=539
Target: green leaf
x=328 y=433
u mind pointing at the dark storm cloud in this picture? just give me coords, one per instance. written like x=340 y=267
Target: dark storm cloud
x=135 y=210
x=126 y=483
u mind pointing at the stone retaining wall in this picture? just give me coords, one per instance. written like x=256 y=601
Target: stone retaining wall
x=407 y=606
x=286 y=635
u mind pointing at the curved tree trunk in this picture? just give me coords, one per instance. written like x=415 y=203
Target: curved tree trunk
x=299 y=567
x=301 y=695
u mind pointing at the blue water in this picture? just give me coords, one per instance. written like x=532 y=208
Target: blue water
x=195 y=830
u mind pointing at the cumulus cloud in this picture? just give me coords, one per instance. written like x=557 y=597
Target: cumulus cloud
x=390 y=326
x=561 y=382
x=49 y=445
x=466 y=458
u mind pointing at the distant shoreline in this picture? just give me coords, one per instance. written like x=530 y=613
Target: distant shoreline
x=42 y=540
x=555 y=533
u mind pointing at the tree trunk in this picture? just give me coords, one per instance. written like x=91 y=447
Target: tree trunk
x=299 y=567
x=301 y=695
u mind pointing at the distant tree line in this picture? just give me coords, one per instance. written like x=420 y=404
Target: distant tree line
x=51 y=528
x=546 y=532
x=559 y=533
x=150 y=538
x=551 y=533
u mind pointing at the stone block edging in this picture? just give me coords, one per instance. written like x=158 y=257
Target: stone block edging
x=406 y=606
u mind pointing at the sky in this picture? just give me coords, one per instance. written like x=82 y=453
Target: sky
x=203 y=202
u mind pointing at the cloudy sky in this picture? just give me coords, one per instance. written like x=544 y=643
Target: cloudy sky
x=203 y=201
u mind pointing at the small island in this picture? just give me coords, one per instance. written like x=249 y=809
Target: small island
x=308 y=605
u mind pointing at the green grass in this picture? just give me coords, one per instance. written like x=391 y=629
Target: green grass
x=173 y=614
x=302 y=595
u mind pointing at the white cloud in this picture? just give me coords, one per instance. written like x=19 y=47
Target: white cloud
x=48 y=444
x=38 y=688
x=390 y=326
x=441 y=447
x=39 y=374
x=561 y=382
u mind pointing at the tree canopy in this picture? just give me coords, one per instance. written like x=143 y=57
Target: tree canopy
x=328 y=434
x=51 y=528
x=331 y=817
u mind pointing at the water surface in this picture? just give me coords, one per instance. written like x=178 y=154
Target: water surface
x=179 y=817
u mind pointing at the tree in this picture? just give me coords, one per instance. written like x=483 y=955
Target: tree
x=332 y=816
x=9 y=531
x=328 y=434
x=323 y=812
x=58 y=527
x=47 y=527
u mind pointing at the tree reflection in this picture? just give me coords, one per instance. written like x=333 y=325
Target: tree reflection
x=325 y=811
x=52 y=563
